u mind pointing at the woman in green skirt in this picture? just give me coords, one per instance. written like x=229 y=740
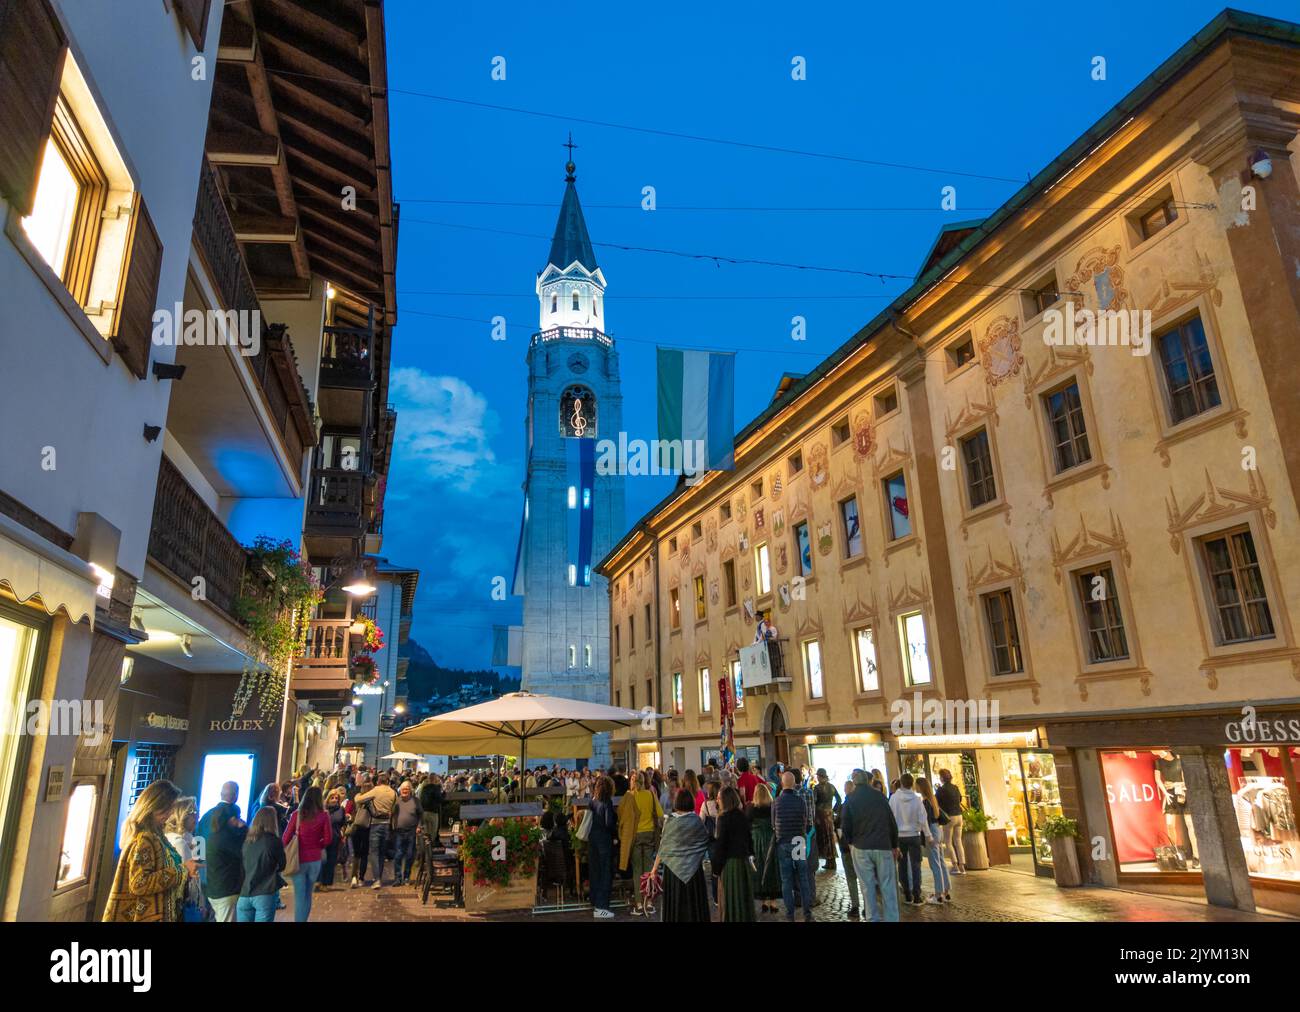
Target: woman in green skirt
x=766 y=876
x=732 y=853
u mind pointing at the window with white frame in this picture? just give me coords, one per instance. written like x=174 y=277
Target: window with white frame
x=864 y=656
x=915 y=647
x=812 y=662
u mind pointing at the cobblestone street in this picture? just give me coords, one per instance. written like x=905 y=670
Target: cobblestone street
x=996 y=895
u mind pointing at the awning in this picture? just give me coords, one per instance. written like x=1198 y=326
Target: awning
x=37 y=572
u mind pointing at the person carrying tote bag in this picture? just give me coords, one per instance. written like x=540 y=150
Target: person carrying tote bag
x=291 y=852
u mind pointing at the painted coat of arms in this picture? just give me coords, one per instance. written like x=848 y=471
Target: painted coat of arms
x=782 y=559
x=713 y=591
x=1101 y=266
x=824 y=540
x=864 y=436
x=758 y=520
x=1000 y=353
x=819 y=465
x=711 y=536
x=778 y=522
x=741 y=509
x=776 y=487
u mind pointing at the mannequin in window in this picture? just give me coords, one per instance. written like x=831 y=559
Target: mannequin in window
x=1173 y=798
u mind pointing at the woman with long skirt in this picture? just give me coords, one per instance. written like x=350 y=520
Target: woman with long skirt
x=682 y=849
x=731 y=856
x=600 y=848
x=766 y=875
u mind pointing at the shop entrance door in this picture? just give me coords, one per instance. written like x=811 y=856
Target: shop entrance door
x=779 y=743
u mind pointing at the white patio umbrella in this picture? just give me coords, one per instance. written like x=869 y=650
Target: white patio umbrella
x=400 y=755
x=511 y=723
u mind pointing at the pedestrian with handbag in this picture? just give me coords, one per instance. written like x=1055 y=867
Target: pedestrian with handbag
x=305 y=840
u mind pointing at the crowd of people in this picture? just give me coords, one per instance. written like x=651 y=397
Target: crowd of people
x=727 y=843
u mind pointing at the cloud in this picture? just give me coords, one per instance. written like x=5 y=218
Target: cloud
x=444 y=429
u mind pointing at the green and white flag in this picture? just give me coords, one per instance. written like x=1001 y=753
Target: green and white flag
x=696 y=410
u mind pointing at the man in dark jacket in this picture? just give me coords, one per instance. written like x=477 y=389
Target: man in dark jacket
x=223 y=833
x=869 y=828
x=790 y=822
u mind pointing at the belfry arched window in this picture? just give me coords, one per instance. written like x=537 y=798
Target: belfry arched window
x=575 y=298
x=578 y=412
x=555 y=303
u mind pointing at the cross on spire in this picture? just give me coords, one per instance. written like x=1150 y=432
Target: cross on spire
x=569 y=167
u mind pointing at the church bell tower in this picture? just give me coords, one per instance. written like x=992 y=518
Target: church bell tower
x=572 y=515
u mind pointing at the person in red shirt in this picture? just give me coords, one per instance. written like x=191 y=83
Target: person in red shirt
x=311 y=824
x=747 y=780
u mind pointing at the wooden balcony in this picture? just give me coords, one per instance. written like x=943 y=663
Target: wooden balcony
x=347 y=368
x=336 y=512
x=187 y=539
x=322 y=666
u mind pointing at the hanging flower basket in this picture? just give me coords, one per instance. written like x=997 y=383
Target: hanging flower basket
x=364 y=671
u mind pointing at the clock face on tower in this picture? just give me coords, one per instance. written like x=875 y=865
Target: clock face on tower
x=578 y=362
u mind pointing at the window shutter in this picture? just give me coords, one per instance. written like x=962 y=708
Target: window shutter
x=32 y=47
x=194 y=16
x=138 y=299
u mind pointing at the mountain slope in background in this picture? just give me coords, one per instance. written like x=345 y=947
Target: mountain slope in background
x=426 y=678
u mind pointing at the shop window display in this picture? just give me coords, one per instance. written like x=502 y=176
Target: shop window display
x=1262 y=802
x=1147 y=796
x=1043 y=793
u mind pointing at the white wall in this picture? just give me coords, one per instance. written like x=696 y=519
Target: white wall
x=55 y=390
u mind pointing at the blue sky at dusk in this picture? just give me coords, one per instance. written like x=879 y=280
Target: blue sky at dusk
x=988 y=90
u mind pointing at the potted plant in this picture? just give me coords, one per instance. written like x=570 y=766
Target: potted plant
x=973 y=824
x=1061 y=832
x=501 y=858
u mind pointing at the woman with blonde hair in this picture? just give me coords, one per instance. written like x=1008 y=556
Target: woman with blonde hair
x=180 y=834
x=766 y=874
x=149 y=883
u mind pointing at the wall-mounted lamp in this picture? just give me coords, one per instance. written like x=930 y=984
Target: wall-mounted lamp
x=151 y=432
x=168 y=370
x=358 y=585
x=1261 y=165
